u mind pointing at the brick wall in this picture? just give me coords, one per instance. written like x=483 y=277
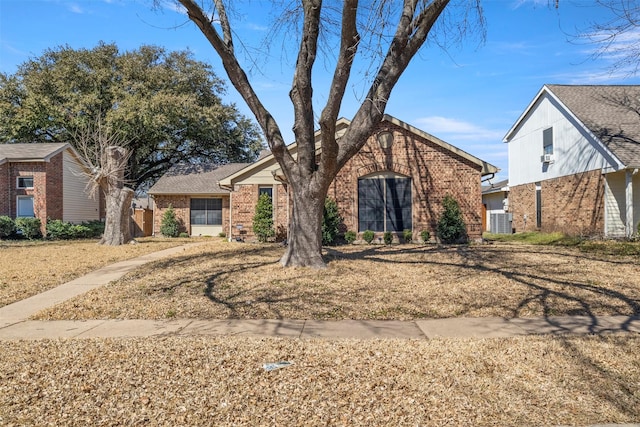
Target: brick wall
x=54 y=187
x=244 y=201
x=38 y=170
x=435 y=173
x=573 y=205
x=182 y=208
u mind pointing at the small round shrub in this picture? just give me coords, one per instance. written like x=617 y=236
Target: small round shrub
x=169 y=226
x=368 y=236
x=350 y=236
x=96 y=228
x=7 y=227
x=407 y=235
x=387 y=237
x=425 y=236
x=183 y=235
x=222 y=234
x=29 y=227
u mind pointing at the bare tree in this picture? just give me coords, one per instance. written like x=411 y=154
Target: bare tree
x=107 y=157
x=309 y=177
x=618 y=36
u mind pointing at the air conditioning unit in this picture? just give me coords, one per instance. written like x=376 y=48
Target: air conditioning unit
x=547 y=158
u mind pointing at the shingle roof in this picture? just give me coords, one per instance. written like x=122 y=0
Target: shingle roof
x=30 y=152
x=185 y=178
x=608 y=112
x=495 y=187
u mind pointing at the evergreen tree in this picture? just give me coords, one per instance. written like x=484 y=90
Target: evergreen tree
x=263 y=218
x=451 y=227
x=169 y=227
x=331 y=221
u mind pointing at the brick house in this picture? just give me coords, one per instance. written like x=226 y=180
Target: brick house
x=574 y=155
x=397 y=181
x=46 y=181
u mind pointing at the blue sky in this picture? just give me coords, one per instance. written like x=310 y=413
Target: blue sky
x=469 y=95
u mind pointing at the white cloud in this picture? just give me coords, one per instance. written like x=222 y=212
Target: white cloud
x=458 y=129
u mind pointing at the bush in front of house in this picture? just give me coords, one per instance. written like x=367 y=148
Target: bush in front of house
x=350 y=236
x=60 y=230
x=96 y=228
x=425 y=236
x=29 y=227
x=368 y=236
x=169 y=226
x=7 y=227
x=263 y=218
x=407 y=235
x=331 y=221
x=451 y=227
x=387 y=237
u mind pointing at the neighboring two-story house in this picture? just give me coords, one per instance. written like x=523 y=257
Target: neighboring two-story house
x=46 y=181
x=574 y=156
x=396 y=182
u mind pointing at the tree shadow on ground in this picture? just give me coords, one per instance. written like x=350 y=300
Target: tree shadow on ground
x=544 y=288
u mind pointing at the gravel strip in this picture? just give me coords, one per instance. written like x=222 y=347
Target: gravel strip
x=205 y=381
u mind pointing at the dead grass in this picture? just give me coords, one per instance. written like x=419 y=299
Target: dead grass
x=29 y=268
x=198 y=381
x=229 y=280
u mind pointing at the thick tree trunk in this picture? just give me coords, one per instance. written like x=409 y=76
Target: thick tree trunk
x=304 y=247
x=117 y=228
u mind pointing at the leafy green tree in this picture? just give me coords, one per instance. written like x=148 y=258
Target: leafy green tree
x=169 y=225
x=451 y=227
x=165 y=105
x=331 y=221
x=263 y=218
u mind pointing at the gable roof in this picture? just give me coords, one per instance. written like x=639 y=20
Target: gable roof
x=186 y=178
x=496 y=187
x=605 y=111
x=31 y=152
x=341 y=126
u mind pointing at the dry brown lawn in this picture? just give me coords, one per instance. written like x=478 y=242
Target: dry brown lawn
x=219 y=381
x=230 y=280
x=28 y=268
x=523 y=381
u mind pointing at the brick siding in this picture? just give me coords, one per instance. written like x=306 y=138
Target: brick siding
x=182 y=208
x=572 y=204
x=435 y=173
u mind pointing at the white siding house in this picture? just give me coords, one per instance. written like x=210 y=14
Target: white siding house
x=574 y=156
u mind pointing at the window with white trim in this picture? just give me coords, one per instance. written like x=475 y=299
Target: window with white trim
x=24 y=182
x=24 y=207
x=547 y=141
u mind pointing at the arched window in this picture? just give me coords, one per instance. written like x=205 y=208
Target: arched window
x=384 y=202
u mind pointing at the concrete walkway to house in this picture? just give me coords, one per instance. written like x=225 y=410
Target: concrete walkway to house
x=14 y=323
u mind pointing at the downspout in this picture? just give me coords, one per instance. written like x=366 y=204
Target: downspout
x=229 y=188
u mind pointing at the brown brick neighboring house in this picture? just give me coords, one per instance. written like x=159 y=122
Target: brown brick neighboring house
x=46 y=181
x=574 y=156
x=395 y=185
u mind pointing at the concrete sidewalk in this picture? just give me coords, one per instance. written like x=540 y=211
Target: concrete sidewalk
x=14 y=323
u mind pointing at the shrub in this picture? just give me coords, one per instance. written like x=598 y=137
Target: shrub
x=368 y=236
x=331 y=221
x=96 y=228
x=222 y=234
x=350 y=236
x=451 y=227
x=387 y=237
x=169 y=226
x=29 y=227
x=407 y=235
x=183 y=234
x=58 y=230
x=263 y=218
x=7 y=227
x=425 y=236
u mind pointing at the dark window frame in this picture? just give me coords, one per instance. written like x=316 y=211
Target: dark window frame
x=20 y=182
x=205 y=211
x=385 y=203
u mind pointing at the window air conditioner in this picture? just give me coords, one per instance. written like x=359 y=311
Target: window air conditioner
x=547 y=158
